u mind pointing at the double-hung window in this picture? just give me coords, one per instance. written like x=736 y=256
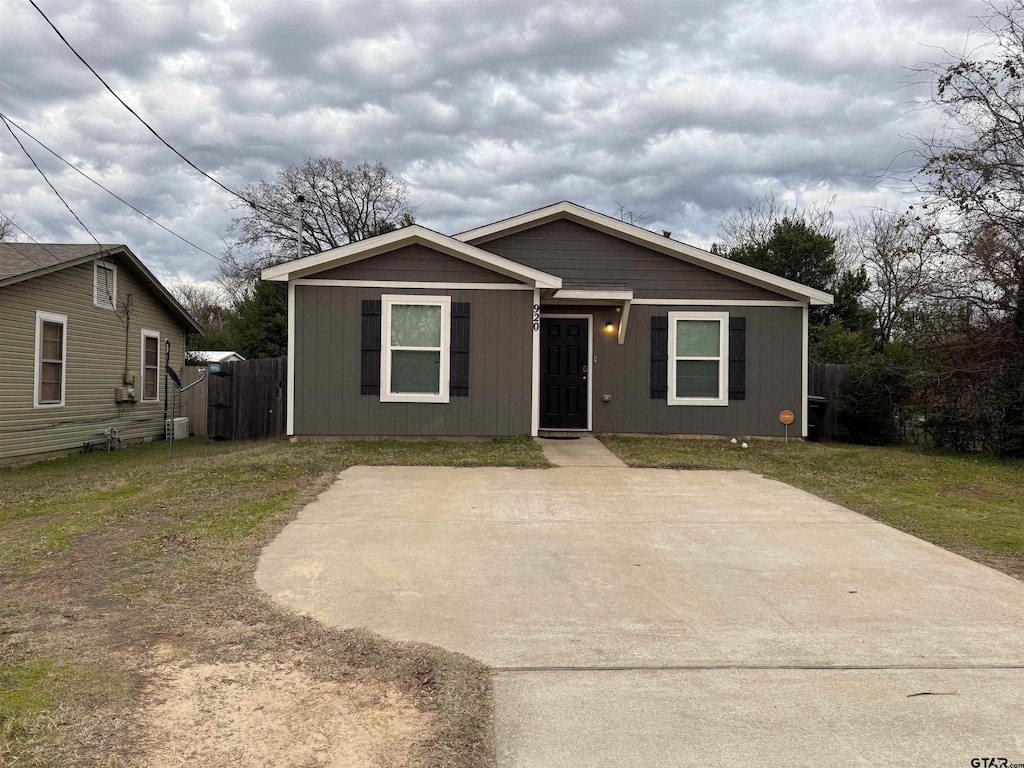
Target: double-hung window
x=415 y=349
x=51 y=358
x=150 y=366
x=698 y=346
x=104 y=285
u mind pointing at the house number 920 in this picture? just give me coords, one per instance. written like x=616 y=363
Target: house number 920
x=536 y=317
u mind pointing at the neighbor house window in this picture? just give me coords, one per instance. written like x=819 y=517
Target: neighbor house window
x=414 y=341
x=698 y=345
x=150 y=365
x=104 y=285
x=51 y=358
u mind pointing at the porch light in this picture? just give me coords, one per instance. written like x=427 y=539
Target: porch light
x=609 y=326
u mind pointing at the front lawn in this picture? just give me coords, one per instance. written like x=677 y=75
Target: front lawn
x=969 y=504
x=120 y=572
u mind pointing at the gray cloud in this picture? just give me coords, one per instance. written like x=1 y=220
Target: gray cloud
x=683 y=110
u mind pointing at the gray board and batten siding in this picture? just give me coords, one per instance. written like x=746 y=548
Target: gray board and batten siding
x=414 y=263
x=575 y=252
x=773 y=374
x=328 y=345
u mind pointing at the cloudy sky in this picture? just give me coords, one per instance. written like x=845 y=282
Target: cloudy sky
x=683 y=110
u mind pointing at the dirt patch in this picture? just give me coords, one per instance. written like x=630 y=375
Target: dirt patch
x=973 y=491
x=275 y=714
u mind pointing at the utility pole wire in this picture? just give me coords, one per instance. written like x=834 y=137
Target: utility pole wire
x=152 y=130
x=112 y=194
x=103 y=255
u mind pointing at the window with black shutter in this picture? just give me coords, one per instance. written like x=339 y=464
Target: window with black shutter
x=659 y=357
x=369 y=367
x=737 y=358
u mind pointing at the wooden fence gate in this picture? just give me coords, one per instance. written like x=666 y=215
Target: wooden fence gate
x=246 y=399
x=823 y=379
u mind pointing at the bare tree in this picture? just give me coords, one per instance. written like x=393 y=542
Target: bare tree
x=754 y=225
x=972 y=170
x=342 y=205
x=637 y=218
x=898 y=253
x=8 y=230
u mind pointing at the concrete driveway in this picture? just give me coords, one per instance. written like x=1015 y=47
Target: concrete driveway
x=661 y=618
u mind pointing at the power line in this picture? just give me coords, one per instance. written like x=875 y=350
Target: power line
x=109 y=192
x=103 y=255
x=152 y=130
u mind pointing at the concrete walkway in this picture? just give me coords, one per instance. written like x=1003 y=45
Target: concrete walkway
x=579 y=452
x=660 y=618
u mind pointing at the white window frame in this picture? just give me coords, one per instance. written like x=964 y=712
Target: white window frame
x=148 y=334
x=723 y=358
x=96 y=267
x=387 y=301
x=49 y=317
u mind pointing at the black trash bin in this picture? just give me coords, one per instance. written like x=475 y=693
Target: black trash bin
x=816 y=407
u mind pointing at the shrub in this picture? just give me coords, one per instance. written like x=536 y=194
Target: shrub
x=870 y=403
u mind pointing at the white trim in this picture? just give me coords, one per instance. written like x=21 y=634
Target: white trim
x=803 y=377
x=50 y=317
x=386 y=395
x=590 y=374
x=535 y=389
x=649 y=239
x=290 y=418
x=96 y=266
x=412 y=284
x=718 y=303
x=723 y=358
x=148 y=334
x=414 y=234
x=623 y=320
x=602 y=294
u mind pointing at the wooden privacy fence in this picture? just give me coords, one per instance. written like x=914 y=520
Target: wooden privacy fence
x=193 y=402
x=823 y=380
x=245 y=400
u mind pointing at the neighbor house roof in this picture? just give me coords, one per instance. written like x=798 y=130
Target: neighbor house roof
x=215 y=355
x=414 y=234
x=24 y=261
x=646 y=238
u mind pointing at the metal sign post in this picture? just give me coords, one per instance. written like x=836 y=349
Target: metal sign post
x=786 y=417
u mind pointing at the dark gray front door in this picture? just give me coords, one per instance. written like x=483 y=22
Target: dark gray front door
x=565 y=354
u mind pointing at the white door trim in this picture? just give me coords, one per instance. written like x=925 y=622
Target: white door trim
x=535 y=394
x=590 y=371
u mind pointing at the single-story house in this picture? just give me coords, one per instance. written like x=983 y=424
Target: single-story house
x=559 y=319
x=85 y=333
x=202 y=356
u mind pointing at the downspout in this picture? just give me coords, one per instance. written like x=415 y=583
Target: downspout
x=167 y=356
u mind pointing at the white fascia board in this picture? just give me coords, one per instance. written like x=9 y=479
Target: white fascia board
x=660 y=243
x=411 y=235
x=583 y=294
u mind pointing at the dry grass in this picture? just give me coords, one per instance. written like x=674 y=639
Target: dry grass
x=115 y=568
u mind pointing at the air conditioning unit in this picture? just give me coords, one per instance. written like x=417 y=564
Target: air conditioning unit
x=180 y=427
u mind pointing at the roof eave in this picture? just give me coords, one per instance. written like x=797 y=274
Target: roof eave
x=645 y=237
x=414 y=234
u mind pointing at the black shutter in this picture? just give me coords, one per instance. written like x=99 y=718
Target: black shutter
x=369 y=366
x=458 y=383
x=659 y=357
x=737 y=358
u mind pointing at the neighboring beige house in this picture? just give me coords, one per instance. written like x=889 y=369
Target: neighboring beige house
x=202 y=356
x=84 y=332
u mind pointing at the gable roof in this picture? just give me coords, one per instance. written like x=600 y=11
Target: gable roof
x=413 y=234
x=648 y=239
x=24 y=261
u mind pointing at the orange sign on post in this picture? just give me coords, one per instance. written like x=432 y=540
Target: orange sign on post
x=786 y=417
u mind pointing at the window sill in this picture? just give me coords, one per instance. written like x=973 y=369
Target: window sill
x=47 y=405
x=697 y=401
x=405 y=398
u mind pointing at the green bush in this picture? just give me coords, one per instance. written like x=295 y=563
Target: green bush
x=1011 y=424
x=870 y=403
